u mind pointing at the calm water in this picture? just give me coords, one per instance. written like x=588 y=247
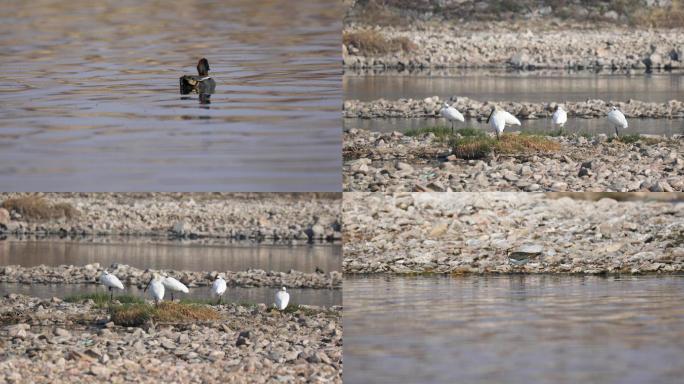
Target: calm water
x=172 y=255
x=89 y=96
x=531 y=86
x=321 y=297
x=667 y=127
x=514 y=329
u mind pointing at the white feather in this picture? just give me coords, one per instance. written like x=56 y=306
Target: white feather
x=510 y=119
x=218 y=287
x=560 y=117
x=497 y=121
x=282 y=298
x=157 y=289
x=616 y=118
x=110 y=281
x=174 y=285
x=451 y=113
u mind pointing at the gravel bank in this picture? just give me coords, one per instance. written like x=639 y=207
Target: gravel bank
x=49 y=341
x=430 y=106
x=130 y=276
x=394 y=162
x=509 y=232
x=525 y=46
x=240 y=216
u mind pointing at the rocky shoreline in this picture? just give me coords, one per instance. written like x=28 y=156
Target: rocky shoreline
x=292 y=217
x=430 y=107
x=50 y=341
x=394 y=162
x=490 y=233
x=522 y=45
x=130 y=276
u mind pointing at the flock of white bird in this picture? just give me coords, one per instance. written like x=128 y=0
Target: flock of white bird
x=159 y=284
x=498 y=118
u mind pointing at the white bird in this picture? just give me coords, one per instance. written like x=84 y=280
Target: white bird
x=218 y=288
x=451 y=114
x=498 y=119
x=282 y=298
x=618 y=120
x=560 y=117
x=110 y=281
x=156 y=287
x=174 y=285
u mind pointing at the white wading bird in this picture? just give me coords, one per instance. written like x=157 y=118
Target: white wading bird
x=156 y=287
x=110 y=281
x=174 y=285
x=281 y=299
x=451 y=114
x=498 y=119
x=618 y=120
x=218 y=288
x=560 y=117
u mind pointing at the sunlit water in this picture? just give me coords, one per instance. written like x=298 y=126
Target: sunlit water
x=514 y=329
x=89 y=96
x=530 y=86
x=176 y=255
x=667 y=127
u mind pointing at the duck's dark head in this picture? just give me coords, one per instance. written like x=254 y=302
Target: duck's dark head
x=203 y=67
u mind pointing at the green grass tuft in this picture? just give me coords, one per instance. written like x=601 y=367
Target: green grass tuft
x=479 y=147
x=101 y=299
x=135 y=315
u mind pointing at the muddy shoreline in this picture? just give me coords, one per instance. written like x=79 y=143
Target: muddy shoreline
x=490 y=233
x=394 y=162
x=48 y=341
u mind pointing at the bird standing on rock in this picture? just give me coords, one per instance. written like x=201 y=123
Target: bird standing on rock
x=157 y=288
x=560 y=117
x=282 y=298
x=618 y=119
x=218 y=288
x=451 y=114
x=498 y=119
x=110 y=281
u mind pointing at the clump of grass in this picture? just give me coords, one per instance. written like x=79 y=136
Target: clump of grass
x=135 y=315
x=441 y=133
x=633 y=138
x=371 y=43
x=480 y=146
x=37 y=208
x=471 y=132
x=101 y=299
x=671 y=16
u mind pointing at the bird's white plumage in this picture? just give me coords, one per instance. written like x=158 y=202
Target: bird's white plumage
x=174 y=285
x=560 y=117
x=451 y=114
x=282 y=298
x=218 y=287
x=110 y=281
x=157 y=289
x=510 y=119
x=616 y=118
x=499 y=118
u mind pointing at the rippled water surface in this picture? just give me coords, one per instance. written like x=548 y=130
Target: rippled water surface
x=514 y=329
x=533 y=86
x=89 y=95
x=667 y=127
x=176 y=255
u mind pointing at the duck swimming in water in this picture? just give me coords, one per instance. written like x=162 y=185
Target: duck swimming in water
x=202 y=84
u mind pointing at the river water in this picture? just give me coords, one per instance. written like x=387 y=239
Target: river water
x=89 y=97
x=177 y=255
x=514 y=329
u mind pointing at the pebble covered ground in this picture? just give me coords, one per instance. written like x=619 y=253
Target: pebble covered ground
x=502 y=232
x=50 y=341
x=241 y=216
x=394 y=162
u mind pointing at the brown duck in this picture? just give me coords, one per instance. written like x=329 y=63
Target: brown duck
x=202 y=84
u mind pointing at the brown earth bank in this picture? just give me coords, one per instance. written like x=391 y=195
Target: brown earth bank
x=51 y=341
x=291 y=217
x=483 y=233
x=394 y=162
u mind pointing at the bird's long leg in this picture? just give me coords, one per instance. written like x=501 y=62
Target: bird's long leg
x=452 y=128
x=111 y=297
x=171 y=296
x=616 y=131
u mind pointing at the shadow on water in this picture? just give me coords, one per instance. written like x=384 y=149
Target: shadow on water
x=513 y=329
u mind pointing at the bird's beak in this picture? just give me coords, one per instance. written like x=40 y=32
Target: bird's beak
x=148 y=285
x=490 y=115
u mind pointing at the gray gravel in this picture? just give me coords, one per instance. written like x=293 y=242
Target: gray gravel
x=430 y=107
x=508 y=233
x=394 y=162
x=525 y=45
x=294 y=217
x=49 y=341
